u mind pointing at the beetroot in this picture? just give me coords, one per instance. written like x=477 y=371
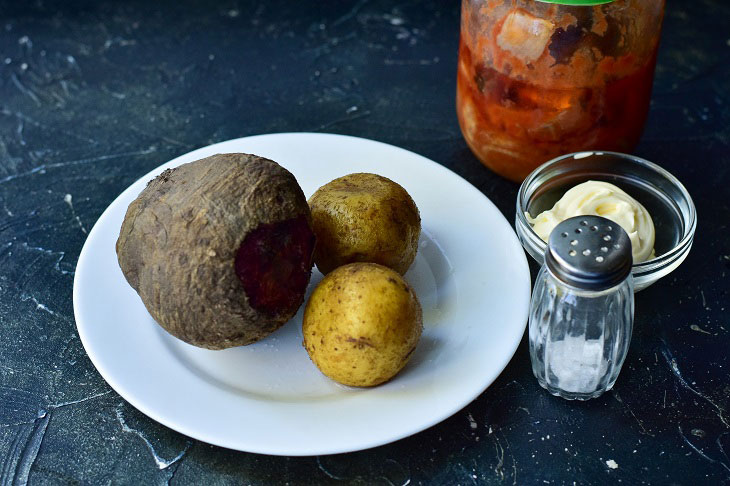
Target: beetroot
x=220 y=249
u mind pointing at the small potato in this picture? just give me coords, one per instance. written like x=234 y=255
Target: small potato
x=364 y=218
x=361 y=324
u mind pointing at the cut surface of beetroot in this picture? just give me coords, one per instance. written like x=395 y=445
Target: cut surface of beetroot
x=274 y=264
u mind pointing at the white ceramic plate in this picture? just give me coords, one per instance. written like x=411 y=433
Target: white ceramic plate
x=471 y=276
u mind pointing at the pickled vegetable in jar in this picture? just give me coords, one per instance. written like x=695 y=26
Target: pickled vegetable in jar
x=537 y=80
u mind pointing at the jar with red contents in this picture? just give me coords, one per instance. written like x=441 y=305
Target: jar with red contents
x=538 y=79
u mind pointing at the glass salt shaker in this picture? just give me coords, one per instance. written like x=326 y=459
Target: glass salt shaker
x=582 y=308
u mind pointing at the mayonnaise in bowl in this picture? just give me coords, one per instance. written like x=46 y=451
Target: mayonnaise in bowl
x=599 y=198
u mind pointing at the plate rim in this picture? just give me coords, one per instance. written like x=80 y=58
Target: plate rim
x=189 y=431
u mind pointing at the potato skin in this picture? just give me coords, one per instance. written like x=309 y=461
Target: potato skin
x=364 y=218
x=180 y=237
x=362 y=324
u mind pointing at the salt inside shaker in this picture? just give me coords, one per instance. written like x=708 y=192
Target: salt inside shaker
x=582 y=308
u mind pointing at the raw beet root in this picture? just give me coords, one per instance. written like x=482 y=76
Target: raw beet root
x=220 y=249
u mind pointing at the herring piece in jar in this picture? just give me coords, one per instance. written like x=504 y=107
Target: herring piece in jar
x=525 y=35
x=599 y=198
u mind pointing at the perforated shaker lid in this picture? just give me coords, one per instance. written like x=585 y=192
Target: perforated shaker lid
x=589 y=252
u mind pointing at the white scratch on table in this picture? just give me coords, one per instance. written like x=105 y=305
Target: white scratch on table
x=411 y=62
x=27 y=119
x=626 y=406
x=29 y=453
x=42 y=307
x=704 y=301
x=57 y=265
x=498 y=469
x=326 y=471
x=80 y=400
x=119 y=42
x=44 y=167
x=699 y=451
x=350 y=14
x=718 y=441
x=19 y=131
x=68 y=199
x=26 y=91
x=161 y=462
x=405 y=478
x=675 y=369
x=360 y=115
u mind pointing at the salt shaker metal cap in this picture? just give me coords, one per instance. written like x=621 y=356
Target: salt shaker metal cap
x=589 y=252
x=582 y=308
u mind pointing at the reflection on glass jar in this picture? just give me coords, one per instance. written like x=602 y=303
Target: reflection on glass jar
x=537 y=80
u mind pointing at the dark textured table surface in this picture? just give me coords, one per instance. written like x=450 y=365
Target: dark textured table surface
x=95 y=94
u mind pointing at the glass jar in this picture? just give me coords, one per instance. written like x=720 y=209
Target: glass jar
x=536 y=80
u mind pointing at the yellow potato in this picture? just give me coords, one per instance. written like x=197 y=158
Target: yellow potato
x=364 y=218
x=361 y=324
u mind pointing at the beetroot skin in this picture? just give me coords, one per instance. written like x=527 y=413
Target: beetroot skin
x=220 y=249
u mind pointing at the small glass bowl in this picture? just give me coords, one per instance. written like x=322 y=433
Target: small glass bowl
x=666 y=199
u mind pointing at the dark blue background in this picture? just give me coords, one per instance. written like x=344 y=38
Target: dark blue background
x=95 y=94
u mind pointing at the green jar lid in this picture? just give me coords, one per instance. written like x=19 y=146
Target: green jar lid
x=577 y=2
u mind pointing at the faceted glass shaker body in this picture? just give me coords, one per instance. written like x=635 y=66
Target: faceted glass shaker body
x=579 y=339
